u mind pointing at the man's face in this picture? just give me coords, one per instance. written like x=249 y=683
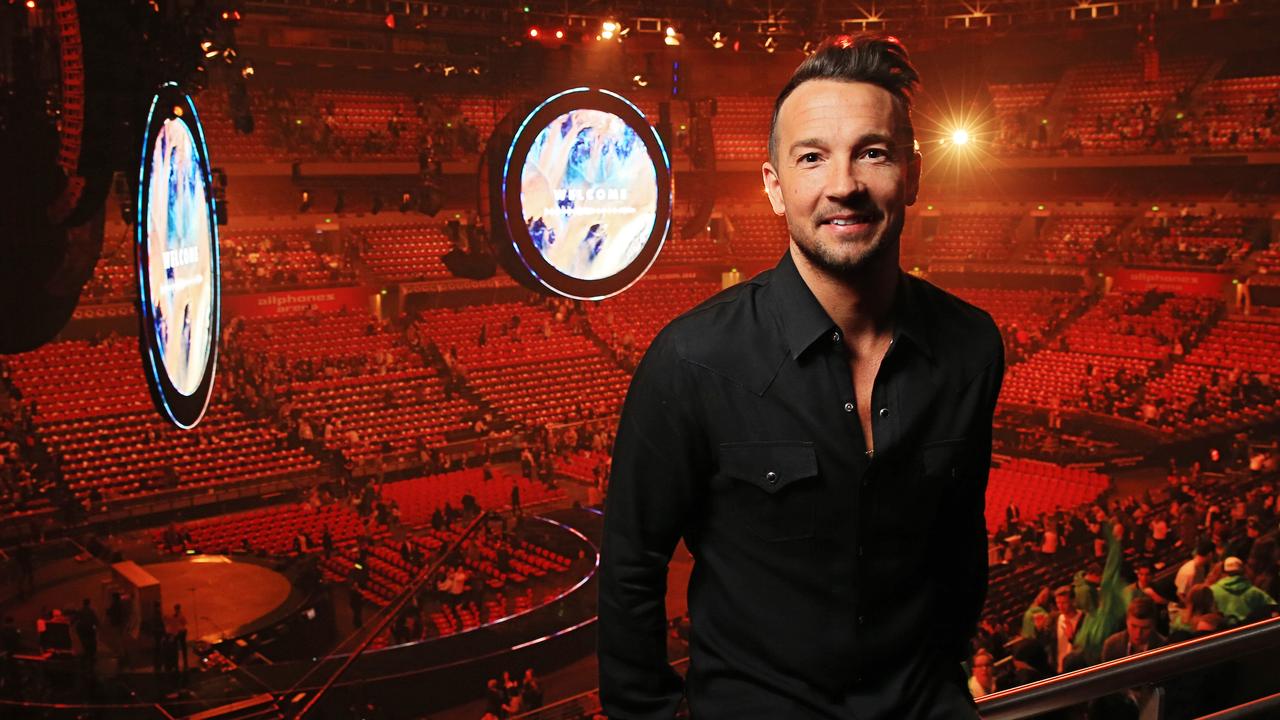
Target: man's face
x=1144 y=576
x=982 y=669
x=844 y=173
x=1139 y=630
x=1064 y=603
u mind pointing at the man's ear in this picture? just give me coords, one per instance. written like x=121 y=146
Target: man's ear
x=913 y=176
x=773 y=188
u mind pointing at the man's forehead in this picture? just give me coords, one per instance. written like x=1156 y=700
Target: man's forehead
x=838 y=105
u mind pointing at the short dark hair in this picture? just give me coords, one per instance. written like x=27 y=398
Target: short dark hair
x=1142 y=608
x=874 y=58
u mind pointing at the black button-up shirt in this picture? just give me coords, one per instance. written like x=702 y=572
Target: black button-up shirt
x=826 y=583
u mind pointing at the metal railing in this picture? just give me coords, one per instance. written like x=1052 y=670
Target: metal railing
x=1148 y=667
x=1072 y=688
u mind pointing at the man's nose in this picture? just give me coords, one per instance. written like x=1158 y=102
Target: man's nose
x=845 y=180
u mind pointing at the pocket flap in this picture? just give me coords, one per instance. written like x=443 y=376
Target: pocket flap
x=769 y=466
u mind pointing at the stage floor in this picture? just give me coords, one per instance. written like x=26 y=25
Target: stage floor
x=220 y=597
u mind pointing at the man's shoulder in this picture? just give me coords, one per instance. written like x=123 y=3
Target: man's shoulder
x=955 y=321
x=1114 y=645
x=723 y=335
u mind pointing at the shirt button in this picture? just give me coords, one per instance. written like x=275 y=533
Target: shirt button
x=835 y=336
x=772 y=477
x=859 y=551
x=884 y=412
x=848 y=407
x=861 y=618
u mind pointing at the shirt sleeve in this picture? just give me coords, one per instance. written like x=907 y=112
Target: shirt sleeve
x=655 y=472
x=964 y=575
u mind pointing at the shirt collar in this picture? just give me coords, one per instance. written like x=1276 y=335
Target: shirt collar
x=803 y=320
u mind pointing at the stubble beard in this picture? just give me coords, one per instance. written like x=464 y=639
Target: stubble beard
x=828 y=258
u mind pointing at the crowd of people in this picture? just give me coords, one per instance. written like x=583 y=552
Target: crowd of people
x=505 y=696
x=1194 y=557
x=262 y=262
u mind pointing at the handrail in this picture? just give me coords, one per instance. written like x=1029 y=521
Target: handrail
x=1152 y=666
x=1075 y=687
x=391 y=611
x=1253 y=708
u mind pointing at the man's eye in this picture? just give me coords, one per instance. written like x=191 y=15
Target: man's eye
x=876 y=154
x=809 y=157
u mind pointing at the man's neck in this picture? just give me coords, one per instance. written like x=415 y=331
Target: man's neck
x=861 y=305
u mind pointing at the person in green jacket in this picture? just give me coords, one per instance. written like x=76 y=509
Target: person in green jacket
x=1039 y=607
x=1237 y=598
x=1105 y=612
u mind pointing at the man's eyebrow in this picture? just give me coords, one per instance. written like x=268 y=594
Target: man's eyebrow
x=868 y=139
x=808 y=142
x=876 y=139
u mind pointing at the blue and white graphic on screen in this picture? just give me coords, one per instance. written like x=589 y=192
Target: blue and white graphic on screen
x=589 y=193
x=178 y=253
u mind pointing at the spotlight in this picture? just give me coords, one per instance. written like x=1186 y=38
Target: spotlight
x=672 y=37
x=770 y=45
x=716 y=40
x=31 y=4
x=247 y=70
x=559 y=34
x=960 y=136
x=640 y=81
x=533 y=32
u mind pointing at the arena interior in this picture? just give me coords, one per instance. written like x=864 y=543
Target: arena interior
x=395 y=493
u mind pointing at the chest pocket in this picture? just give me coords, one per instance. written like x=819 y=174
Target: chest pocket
x=773 y=487
x=941 y=469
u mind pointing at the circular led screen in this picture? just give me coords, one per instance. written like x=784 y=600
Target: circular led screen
x=587 y=193
x=177 y=255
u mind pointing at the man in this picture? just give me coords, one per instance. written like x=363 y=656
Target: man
x=86 y=625
x=983 y=680
x=820 y=436
x=1064 y=622
x=176 y=628
x=1237 y=598
x=1139 y=634
x=1194 y=571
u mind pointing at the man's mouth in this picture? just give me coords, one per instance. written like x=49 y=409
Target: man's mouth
x=849 y=220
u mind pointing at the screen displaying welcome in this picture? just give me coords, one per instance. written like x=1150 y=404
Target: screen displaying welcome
x=590 y=194
x=179 y=256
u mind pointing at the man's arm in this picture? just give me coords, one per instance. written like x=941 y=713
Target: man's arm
x=653 y=484
x=965 y=578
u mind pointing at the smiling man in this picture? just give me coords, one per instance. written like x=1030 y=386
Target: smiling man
x=820 y=436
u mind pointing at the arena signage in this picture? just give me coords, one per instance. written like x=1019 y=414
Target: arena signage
x=176 y=245
x=586 y=194
x=1189 y=282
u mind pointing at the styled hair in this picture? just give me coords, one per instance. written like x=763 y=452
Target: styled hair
x=1142 y=608
x=874 y=58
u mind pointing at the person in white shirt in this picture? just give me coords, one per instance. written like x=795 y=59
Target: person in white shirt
x=1065 y=623
x=1194 y=570
x=983 y=680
